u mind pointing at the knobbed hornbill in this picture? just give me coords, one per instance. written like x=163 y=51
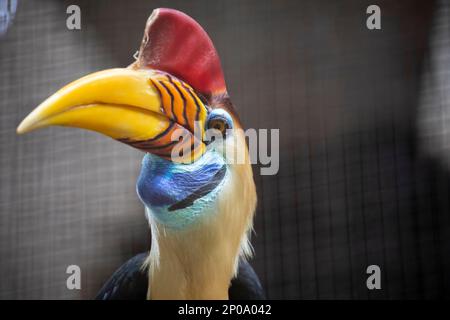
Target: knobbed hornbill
x=199 y=204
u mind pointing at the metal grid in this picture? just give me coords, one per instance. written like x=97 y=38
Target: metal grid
x=359 y=181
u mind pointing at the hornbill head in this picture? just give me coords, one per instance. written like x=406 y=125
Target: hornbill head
x=196 y=184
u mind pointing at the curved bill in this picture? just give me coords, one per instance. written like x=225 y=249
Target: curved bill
x=146 y=109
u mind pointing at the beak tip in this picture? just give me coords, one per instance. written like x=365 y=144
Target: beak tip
x=20 y=129
x=23 y=127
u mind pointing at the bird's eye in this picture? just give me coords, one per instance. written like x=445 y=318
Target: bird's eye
x=219 y=120
x=218 y=124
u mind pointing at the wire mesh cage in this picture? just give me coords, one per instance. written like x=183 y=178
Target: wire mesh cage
x=363 y=153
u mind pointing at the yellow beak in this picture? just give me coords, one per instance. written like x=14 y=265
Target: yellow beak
x=146 y=109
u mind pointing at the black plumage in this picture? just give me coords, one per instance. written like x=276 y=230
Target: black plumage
x=130 y=282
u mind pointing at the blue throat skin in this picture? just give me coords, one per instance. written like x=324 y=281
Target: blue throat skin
x=179 y=195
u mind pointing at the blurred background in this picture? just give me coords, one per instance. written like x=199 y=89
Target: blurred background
x=364 y=121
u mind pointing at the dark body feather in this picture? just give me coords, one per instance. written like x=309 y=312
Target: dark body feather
x=130 y=282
